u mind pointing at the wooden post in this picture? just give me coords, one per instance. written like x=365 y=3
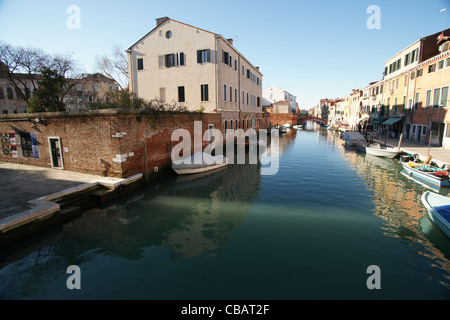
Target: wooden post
x=387 y=135
x=400 y=141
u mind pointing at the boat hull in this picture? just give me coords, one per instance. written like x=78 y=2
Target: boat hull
x=199 y=170
x=387 y=153
x=432 y=201
x=427 y=176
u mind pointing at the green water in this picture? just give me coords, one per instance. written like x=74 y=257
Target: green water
x=308 y=232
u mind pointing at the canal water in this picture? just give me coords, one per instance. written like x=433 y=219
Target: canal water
x=312 y=231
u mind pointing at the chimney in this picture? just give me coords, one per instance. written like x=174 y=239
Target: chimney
x=257 y=68
x=230 y=41
x=161 y=20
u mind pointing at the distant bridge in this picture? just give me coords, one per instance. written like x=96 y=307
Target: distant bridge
x=303 y=119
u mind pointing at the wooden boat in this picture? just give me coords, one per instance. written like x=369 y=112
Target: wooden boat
x=426 y=173
x=199 y=162
x=438 y=208
x=382 y=151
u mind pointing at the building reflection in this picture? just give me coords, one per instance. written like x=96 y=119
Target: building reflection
x=397 y=202
x=189 y=215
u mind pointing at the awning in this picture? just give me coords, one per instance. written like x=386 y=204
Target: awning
x=391 y=121
x=379 y=120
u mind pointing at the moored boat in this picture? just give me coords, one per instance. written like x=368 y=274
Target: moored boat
x=427 y=173
x=438 y=208
x=382 y=151
x=282 y=129
x=199 y=162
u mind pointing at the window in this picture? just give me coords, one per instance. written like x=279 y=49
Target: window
x=424 y=130
x=447 y=135
x=447 y=62
x=225 y=57
x=231 y=94
x=407 y=59
x=440 y=64
x=9 y=92
x=257 y=102
x=432 y=68
x=248 y=73
x=235 y=65
x=243 y=97
x=224 y=92
x=2 y=95
x=419 y=72
x=444 y=97
x=170 y=60
x=235 y=96
x=416 y=102
x=204 y=92
x=140 y=64
x=437 y=96
x=428 y=103
x=247 y=99
x=415 y=55
x=413 y=75
x=410 y=104
x=169 y=34
x=181 y=97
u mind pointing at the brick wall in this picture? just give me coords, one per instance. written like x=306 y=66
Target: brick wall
x=283 y=118
x=105 y=142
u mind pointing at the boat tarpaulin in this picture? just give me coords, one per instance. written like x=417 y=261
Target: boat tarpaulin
x=391 y=121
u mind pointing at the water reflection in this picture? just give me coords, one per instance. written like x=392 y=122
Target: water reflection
x=397 y=201
x=307 y=231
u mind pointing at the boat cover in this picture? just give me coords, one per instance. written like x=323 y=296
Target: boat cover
x=444 y=211
x=198 y=160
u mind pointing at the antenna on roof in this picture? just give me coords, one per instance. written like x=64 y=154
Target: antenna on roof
x=443 y=24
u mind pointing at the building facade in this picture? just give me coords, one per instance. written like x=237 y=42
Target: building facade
x=272 y=94
x=201 y=70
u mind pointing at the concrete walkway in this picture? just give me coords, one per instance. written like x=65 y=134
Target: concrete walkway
x=23 y=183
x=440 y=155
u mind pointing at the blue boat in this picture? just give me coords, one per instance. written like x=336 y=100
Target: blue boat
x=428 y=174
x=438 y=208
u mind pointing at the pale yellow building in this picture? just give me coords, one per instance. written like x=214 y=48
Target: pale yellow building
x=201 y=70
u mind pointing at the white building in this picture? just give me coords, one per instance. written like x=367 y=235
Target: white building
x=273 y=94
x=198 y=69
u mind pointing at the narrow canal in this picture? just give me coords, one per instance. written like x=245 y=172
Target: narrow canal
x=309 y=232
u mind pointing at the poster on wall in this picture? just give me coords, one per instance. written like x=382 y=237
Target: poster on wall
x=34 y=145
x=13 y=144
x=7 y=148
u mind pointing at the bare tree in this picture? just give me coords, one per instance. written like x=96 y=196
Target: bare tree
x=23 y=66
x=115 y=67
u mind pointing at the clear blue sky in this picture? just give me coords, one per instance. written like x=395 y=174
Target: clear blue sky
x=312 y=49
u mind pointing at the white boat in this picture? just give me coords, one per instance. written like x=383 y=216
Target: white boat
x=381 y=151
x=199 y=162
x=438 y=208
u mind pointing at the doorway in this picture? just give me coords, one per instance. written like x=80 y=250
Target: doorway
x=55 y=152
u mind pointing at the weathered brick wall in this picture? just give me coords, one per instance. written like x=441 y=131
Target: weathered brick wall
x=106 y=142
x=283 y=118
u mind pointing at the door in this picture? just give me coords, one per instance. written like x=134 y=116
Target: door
x=55 y=152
